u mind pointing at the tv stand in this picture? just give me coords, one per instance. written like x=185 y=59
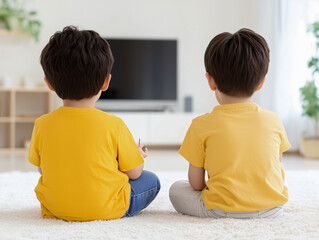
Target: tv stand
x=135 y=105
x=157 y=128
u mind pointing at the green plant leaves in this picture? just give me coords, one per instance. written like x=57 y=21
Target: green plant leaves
x=11 y=12
x=309 y=92
x=314 y=64
x=314 y=28
x=310 y=100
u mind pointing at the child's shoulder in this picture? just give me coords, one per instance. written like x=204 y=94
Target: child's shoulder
x=269 y=115
x=92 y=113
x=43 y=117
x=214 y=118
x=203 y=120
x=103 y=114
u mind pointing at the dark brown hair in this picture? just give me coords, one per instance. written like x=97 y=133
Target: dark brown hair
x=238 y=62
x=76 y=63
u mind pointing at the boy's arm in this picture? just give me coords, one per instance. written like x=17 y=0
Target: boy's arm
x=280 y=157
x=129 y=156
x=135 y=173
x=196 y=177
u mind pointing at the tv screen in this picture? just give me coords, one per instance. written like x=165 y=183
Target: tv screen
x=143 y=70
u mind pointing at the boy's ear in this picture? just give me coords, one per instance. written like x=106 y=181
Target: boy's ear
x=106 y=83
x=211 y=82
x=261 y=84
x=48 y=84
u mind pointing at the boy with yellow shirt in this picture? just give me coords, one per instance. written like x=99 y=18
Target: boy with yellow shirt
x=238 y=144
x=90 y=166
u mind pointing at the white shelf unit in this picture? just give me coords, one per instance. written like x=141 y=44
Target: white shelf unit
x=19 y=108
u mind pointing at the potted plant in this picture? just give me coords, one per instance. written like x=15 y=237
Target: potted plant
x=15 y=17
x=310 y=101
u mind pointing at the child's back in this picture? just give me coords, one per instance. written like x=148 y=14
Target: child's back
x=241 y=157
x=238 y=144
x=90 y=165
x=80 y=156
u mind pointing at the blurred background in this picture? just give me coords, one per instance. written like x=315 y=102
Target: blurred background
x=289 y=26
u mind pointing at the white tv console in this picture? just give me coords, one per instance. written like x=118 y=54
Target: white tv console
x=157 y=128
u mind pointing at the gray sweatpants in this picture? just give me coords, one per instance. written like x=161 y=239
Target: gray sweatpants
x=188 y=201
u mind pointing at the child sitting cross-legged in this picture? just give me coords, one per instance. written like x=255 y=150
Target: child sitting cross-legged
x=239 y=145
x=91 y=168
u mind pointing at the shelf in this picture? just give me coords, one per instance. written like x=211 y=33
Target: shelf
x=26 y=119
x=4 y=107
x=30 y=103
x=19 y=150
x=35 y=89
x=19 y=119
x=5 y=119
x=24 y=89
x=3 y=89
x=22 y=134
x=5 y=135
x=19 y=108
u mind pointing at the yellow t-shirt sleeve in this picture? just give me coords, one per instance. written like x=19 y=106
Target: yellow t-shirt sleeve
x=34 y=156
x=192 y=148
x=285 y=145
x=128 y=155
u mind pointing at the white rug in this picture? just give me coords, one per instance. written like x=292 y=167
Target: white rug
x=20 y=216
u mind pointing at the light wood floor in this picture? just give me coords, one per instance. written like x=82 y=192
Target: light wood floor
x=158 y=160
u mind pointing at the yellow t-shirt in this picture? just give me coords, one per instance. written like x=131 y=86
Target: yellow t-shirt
x=239 y=145
x=83 y=153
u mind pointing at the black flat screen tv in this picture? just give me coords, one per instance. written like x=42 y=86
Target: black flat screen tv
x=144 y=75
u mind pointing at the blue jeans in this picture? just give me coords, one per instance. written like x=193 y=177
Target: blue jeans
x=143 y=192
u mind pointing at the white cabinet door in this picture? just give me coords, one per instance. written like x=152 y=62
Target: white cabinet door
x=137 y=124
x=169 y=128
x=158 y=128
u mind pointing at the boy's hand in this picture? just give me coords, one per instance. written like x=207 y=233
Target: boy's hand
x=142 y=150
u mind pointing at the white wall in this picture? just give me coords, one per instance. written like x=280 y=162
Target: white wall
x=193 y=23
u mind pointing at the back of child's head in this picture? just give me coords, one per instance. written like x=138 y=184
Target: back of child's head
x=237 y=62
x=76 y=63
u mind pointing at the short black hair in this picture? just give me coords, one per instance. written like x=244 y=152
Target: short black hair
x=238 y=62
x=76 y=63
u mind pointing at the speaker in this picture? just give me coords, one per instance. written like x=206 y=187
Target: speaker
x=188 y=104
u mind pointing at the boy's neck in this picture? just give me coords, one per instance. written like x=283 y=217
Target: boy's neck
x=226 y=99
x=82 y=103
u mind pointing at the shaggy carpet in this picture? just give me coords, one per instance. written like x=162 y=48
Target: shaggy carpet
x=20 y=216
